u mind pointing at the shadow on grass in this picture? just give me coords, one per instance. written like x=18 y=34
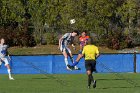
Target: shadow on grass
x=40 y=78
x=133 y=84
x=113 y=79
x=119 y=87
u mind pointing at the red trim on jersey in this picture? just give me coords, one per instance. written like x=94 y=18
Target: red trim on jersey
x=83 y=39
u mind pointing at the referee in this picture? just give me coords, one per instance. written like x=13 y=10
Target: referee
x=90 y=52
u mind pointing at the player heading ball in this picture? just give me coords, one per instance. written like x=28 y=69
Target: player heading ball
x=64 y=41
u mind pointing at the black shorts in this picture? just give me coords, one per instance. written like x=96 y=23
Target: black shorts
x=90 y=65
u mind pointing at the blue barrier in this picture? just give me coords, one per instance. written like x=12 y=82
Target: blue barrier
x=115 y=63
x=138 y=63
x=59 y=66
x=54 y=64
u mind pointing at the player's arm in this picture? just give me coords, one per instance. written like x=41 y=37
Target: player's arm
x=97 y=53
x=72 y=43
x=73 y=46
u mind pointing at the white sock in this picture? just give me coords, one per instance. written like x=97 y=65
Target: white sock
x=9 y=73
x=66 y=61
x=0 y=63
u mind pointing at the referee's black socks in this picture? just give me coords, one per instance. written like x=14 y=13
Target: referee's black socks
x=90 y=79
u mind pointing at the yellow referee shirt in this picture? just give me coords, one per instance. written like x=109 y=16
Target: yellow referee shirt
x=90 y=52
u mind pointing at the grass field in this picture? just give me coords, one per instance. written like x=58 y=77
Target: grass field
x=48 y=49
x=106 y=83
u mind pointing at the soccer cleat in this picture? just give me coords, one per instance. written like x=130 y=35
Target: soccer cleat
x=76 y=68
x=11 y=78
x=69 y=67
x=94 y=84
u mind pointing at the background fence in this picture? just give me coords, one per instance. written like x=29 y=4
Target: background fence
x=54 y=64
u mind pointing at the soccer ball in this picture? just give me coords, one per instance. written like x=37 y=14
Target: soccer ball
x=72 y=21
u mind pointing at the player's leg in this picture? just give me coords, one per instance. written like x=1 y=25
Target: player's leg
x=72 y=60
x=73 y=66
x=88 y=71
x=93 y=64
x=77 y=60
x=69 y=54
x=68 y=51
x=63 y=50
x=0 y=62
x=65 y=57
x=88 y=65
x=8 y=68
x=79 y=54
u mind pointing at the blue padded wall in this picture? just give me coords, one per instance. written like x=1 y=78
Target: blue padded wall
x=138 y=63
x=54 y=64
x=32 y=64
x=115 y=63
x=59 y=65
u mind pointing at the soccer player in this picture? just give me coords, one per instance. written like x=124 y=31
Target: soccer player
x=90 y=53
x=64 y=41
x=3 y=59
x=83 y=41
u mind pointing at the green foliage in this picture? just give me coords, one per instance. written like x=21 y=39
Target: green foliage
x=102 y=17
x=17 y=36
x=51 y=38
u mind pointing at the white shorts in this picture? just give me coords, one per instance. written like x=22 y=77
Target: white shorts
x=4 y=60
x=64 y=48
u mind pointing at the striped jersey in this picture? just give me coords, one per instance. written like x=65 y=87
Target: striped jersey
x=67 y=39
x=3 y=50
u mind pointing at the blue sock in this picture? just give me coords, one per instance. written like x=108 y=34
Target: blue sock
x=75 y=63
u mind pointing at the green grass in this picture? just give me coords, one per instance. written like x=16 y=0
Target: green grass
x=48 y=49
x=69 y=83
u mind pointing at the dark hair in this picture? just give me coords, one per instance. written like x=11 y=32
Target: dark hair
x=90 y=41
x=85 y=31
x=76 y=31
x=1 y=39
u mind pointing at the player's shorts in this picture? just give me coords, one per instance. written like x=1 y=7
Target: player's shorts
x=90 y=65
x=64 y=48
x=4 y=60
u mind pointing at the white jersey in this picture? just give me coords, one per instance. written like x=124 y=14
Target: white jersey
x=66 y=39
x=3 y=50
